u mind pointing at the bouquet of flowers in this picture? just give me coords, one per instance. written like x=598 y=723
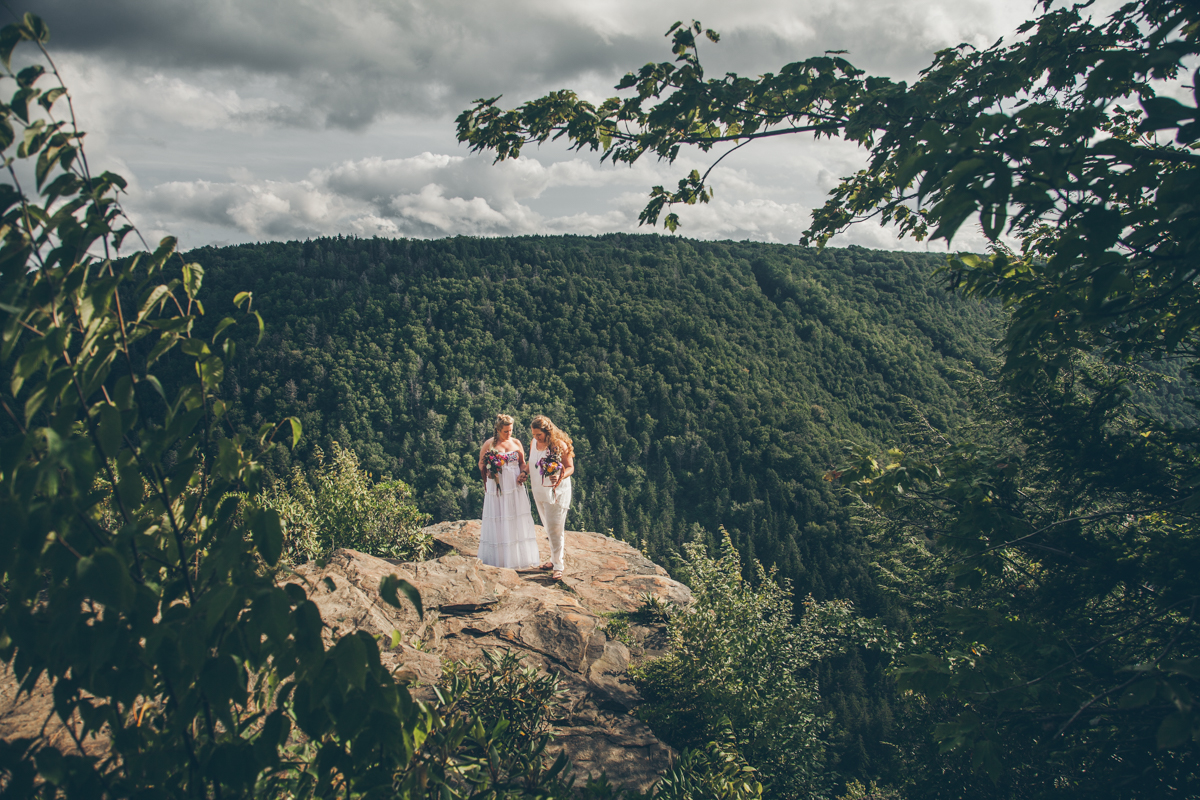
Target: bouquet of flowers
x=493 y=462
x=550 y=465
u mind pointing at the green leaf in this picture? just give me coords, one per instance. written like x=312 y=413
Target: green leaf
x=47 y=99
x=156 y=385
x=350 y=655
x=129 y=484
x=233 y=764
x=272 y=733
x=389 y=586
x=193 y=277
x=1139 y=694
x=8 y=40
x=165 y=342
x=985 y=759
x=124 y=393
x=35 y=27
x=196 y=348
x=1174 y=731
x=104 y=577
x=152 y=299
x=47 y=158
x=110 y=430
x=268 y=535
x=217 y=603
x=221 y=326
x=296 y=430
x=30 y=75
x=166 y=247
x=1189 y=667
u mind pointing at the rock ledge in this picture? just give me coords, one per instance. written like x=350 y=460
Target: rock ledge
x=557 y=627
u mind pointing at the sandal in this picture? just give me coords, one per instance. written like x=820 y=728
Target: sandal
x=547 y=565
x=556 y=575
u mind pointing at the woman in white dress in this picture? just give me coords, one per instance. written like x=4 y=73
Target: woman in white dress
x=507 y=537
x=552 y=463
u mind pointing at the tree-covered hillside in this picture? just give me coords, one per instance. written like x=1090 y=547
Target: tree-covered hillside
x=705 y=384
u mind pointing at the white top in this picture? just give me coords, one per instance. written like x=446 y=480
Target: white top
x=541 y=486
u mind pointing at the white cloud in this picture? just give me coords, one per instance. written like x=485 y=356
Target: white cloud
x=349 y=63
x=256 y=208
x=261 y=119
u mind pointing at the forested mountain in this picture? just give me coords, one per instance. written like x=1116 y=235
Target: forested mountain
x=706 y=384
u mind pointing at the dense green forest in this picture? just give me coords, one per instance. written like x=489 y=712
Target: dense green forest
x=706 y=384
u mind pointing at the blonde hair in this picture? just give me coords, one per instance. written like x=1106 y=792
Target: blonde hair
x=558 y=440
x=501 y=421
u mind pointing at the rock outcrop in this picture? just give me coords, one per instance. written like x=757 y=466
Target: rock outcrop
x=558 y=627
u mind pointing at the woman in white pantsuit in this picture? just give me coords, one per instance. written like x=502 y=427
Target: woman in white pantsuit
x=551 y=485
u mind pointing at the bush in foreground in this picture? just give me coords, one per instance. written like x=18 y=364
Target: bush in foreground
x=738 y=661
x=337 y=504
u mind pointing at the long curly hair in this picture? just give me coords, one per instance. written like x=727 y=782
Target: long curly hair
x=559 y=441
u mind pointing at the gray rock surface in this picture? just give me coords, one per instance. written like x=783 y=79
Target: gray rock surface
x=556 y=626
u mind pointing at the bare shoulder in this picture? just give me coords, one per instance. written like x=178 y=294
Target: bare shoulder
x=487 y=444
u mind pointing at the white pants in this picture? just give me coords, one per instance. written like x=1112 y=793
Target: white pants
x=554 y=517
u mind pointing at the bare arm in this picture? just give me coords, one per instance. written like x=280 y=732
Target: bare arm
x=568 y=469
x=482 y=469
x=521 y=460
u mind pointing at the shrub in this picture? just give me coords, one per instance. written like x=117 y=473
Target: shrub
x=716 y=771
x=503 y=688
x=141 y=587
x=338 y=505
x=511 y=707
x=737 y=655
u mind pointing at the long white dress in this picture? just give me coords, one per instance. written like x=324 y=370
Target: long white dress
x=507 y=538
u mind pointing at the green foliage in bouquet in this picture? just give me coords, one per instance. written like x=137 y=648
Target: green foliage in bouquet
x=337 y=504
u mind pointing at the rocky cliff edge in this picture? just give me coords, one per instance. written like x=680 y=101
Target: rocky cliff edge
x=559 y=627
x=563 y=627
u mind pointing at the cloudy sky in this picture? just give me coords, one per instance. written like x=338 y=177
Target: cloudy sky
x=254 y=120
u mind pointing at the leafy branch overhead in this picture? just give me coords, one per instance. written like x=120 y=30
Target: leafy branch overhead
x=674 y=106
x=1035 y=132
